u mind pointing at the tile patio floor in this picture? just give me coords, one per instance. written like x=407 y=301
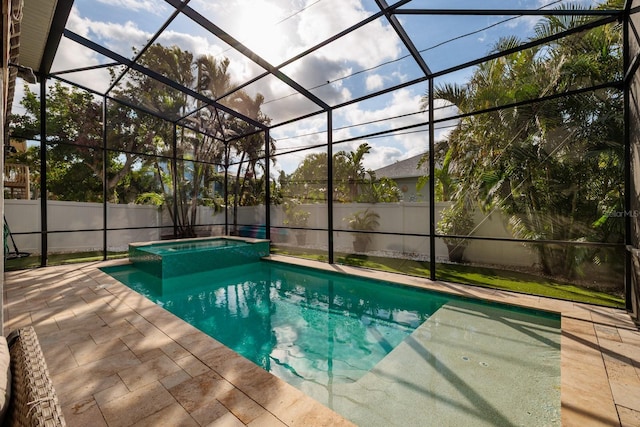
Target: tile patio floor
x=116 y=359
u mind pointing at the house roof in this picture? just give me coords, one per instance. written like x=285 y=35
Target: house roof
x=36 y=28
x=40 y=32
x=407 y=168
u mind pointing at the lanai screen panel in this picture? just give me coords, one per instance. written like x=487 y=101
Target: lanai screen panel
x=270 y=101
x=97 y=71
x=367 y=60
x=276 y=31
x=102 y=23
x=399 y=110
x=446 y=41
x=217 y=68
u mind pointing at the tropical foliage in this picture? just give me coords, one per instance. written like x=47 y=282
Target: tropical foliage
x=365 y=220
x=455 y=222
x=74 y=146
x=140 y=146
x=555 y=166
x=351 y=181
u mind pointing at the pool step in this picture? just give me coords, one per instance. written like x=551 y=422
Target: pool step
x=470 y=365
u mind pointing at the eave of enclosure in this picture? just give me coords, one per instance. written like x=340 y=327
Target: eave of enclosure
x=159 y=77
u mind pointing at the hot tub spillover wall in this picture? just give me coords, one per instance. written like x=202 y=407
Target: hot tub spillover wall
x=179 y=257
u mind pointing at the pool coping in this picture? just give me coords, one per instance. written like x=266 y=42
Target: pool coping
x=600 y=348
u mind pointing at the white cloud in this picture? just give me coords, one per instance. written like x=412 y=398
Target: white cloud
x=71 y=55
x=368 y=46
x=257 y=24
x=77 y=24
x=137 y=5
x=197 y=45
x=384 y=156
x=120 y=37
x=374 y=82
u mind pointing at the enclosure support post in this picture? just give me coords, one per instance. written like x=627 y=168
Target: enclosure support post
x=267 y=185
x=627 y=161
x=174 y=179
x=43 y=173
x=226 y=188
x=330 y=185
x=432 y=187
x=104 y=178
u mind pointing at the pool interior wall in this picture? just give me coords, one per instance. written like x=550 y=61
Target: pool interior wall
x=468 y=364
x=166 y=259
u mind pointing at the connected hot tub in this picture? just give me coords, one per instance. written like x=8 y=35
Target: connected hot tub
x=174 y=258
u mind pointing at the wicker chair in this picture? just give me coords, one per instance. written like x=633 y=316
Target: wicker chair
x=33 y=401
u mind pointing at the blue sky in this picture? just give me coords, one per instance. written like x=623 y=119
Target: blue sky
x=344 y=70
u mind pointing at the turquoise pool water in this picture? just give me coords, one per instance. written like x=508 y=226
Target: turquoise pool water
x=170 y=248
x=378 y=353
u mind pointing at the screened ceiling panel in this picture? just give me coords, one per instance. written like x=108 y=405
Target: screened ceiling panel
x=275 y=30
x=306 y=133
x=207 y=120
x=387 y=111
x=448 y=41
x=102 y=22
x=198 y=43
x=153 y=96
x=289 y=60
x=281 y=102
x=365 y=61
x=98 y=80
x=73 y=56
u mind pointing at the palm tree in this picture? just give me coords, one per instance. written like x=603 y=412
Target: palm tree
x=355 y=171
x=199 y=147
x=547 y=165
x=248 y=190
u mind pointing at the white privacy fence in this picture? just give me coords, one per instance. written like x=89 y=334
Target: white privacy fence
x=23 y=216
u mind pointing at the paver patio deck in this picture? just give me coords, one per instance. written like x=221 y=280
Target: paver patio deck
x=117 y=359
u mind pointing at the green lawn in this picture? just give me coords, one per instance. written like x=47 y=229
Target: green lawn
x=59 y=259
x=473 y=275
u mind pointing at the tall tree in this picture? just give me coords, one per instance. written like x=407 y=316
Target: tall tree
x=202 y=150
x=74 y=142
x=554 y=167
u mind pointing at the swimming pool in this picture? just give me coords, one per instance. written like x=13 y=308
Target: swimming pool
x=377 y=353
